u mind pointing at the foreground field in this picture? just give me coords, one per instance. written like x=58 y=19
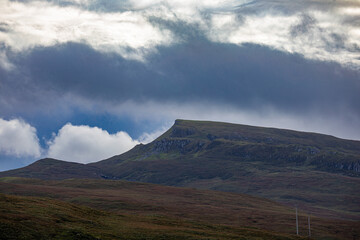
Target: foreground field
x=42 y=218
x=178 y=208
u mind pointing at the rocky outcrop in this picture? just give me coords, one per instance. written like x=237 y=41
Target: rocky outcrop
x=351 y=166
x=167 y=145
x=180 y=132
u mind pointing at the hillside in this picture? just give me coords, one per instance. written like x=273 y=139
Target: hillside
x=222 y=142
x=317 y=172
x=203 y=213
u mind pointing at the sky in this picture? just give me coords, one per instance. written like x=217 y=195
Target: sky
x=83 y=80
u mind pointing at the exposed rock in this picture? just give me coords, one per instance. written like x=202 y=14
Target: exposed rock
x=211 y=137
x=313 y=150
x=352 y=166
x=166 y=145
x=182 y=132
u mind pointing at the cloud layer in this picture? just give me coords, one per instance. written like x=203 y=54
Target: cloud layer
x=226 y=76
x=315 y=29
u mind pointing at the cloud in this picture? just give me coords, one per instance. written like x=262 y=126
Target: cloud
x=344 y=125
x=18 y=138
x=128 y=27
x=37 y=23
x=304 y=26
x=248 y=77
x=86 y=144
x=4 y=61
x=19 y=143
x=149 y=137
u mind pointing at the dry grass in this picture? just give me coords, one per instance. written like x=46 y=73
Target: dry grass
x=210 y=207
x=43 y=218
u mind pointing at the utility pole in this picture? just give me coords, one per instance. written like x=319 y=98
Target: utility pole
x=297 y=223
x=309 y=226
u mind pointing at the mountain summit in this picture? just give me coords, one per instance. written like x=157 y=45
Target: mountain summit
x=208 y=144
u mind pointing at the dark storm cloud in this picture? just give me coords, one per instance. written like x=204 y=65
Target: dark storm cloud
x=247 y=77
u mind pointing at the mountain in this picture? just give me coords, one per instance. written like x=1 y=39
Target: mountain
x=214 y=145
x=314 y=171
x=320 y=173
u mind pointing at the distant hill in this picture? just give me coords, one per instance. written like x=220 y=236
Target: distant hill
x=49 y=168
x=315 y=171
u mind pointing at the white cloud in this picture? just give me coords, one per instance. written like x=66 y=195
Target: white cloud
x=149 y=137
x=81 y=144
x=274 y=30
x=5 y=63
x=44 y=24
x=18 y=138
x=86 y=144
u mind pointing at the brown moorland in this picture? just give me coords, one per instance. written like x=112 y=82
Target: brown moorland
x=183 y=204
x=43 y=218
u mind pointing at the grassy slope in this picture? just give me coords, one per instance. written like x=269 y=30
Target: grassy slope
x=42 y=218
x=210 y=207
